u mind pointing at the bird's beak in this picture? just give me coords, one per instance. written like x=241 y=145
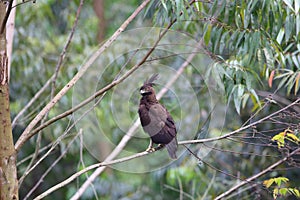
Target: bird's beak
x=143 y=91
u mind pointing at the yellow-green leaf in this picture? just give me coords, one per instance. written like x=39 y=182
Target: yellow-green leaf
x=207 y=34
x=297 y=84
x=279 y=179
x=279 y=138
x=283 y=191
x=275 y=193
x=293 y=137
x=294 y=191
x=268 y=183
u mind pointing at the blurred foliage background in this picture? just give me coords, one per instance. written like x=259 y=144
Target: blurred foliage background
x=256 y=52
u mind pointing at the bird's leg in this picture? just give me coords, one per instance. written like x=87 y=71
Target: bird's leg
x=160 y=146
x=150 y=147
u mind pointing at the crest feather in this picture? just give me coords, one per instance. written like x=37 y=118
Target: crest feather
x=151 y=80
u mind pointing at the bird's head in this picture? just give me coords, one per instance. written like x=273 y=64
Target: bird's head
x=147 y=88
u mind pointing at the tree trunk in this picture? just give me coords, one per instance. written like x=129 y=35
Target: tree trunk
x=99 y=10
x=8 y=170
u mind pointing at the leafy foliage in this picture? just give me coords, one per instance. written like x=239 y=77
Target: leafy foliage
x=252 y=40
x=282 y=191
x=285 y=135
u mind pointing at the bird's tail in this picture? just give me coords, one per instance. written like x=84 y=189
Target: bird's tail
x=172 y=148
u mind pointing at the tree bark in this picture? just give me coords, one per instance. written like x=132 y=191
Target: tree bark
x=8 y=170
x=99 y=10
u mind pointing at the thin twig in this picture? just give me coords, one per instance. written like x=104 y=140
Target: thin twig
x=187 y=195
x=240 y=129
x=208 y=164
x=32 y=100
x=63 y=53
x=81 y=163
x=34 y=156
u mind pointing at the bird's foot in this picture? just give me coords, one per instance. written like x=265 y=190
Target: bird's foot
x=150 y=149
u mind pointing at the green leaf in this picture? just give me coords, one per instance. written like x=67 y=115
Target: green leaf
x=253 y=4
x=222 y=9
x=240 y=38
x=164 y=5
x=297 y=7
x=214 y=7
x=291 y=82
x=237 y=20
x=280 y=36
x=278 y=180
x=296 y=60
x=198 y=6
x=245 y=99
x=288 y=26
x=207 y=34
x=253 y=93
x=237 y=97
x=247 y=18
x=223 y=42
x=179 y=7
x=283 y=80
x=283 y=191
x=289 y=3
x=298 y=24
x=269 y=58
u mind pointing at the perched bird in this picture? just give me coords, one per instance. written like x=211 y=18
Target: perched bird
x=156 y=120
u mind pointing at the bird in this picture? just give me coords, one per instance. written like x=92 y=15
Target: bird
x=156 y=120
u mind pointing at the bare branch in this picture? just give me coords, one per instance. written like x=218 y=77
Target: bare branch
x=32 y=100
x=240 y=129
x=63 y=53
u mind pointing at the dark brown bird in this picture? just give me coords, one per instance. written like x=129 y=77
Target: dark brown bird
x=156 y=120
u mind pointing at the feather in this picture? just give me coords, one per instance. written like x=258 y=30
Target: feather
x=172 y=148
x=151 y=80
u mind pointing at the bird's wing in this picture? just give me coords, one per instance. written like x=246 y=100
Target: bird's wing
x=143 y=114
x=162 y=118
x=158 y=113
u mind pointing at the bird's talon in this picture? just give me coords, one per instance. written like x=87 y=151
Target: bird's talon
x=150 y=149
